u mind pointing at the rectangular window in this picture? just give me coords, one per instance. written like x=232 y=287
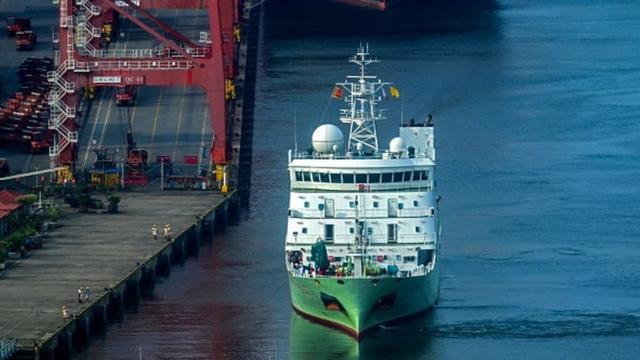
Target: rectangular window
x=347 y=178
x=416 y=176
x=316 y=177
x=361 y=178
x=407 y=176
x=374 y=178
x=306 y=176
x=387 y=177
x=329 y=208
x=329 y=233
x=298 y=175
x=336 y=179
x=392 y=233
x=425 y=175
x=324 y=178
x=397 y=177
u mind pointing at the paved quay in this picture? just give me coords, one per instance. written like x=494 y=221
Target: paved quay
x=94 y=250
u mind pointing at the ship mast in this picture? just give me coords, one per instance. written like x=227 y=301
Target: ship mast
x=361 y=99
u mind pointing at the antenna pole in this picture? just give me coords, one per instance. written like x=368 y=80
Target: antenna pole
x=402 y=111
x=295 y=131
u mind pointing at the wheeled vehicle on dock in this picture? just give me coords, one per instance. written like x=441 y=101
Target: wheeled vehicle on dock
x=16 y=24
x=26 y=40
x=126 y=96
x=105 y=172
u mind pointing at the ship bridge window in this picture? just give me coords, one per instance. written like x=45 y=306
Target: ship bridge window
x=306 y=176
x=374 y=178
x=324 y=178
x=407 y=176
x=335 y=178
x=361 y=178
x=416 y=175
x=348 y=178
x=316 y=177
x=298 y=175
x=424 y=175
x=387 y=177
x=397 y=177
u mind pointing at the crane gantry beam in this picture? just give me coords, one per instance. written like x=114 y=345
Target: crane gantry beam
x=182 y=63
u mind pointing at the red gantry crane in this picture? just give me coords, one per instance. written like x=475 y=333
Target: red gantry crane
x=81 y=63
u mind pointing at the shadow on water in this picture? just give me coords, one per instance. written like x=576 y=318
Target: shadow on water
x=322 y=18
x=402 y=340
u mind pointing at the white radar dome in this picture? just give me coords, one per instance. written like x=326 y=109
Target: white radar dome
x=327 y=138
x=397 y=145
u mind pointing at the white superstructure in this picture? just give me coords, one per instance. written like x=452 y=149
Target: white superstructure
x=374 y=208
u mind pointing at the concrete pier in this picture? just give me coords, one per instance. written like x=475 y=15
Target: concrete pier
x=112 y=254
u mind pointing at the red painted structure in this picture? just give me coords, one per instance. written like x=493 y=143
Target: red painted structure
x=181 y=63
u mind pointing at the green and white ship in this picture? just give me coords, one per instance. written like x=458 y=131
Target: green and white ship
x=363 y=231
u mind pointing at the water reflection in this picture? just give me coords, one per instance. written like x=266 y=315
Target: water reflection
x=408 y=339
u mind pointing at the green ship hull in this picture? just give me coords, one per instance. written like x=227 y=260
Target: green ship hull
x=357 y=305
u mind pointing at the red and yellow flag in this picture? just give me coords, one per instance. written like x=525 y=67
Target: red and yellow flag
x=337 y=92
x=394 y=92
